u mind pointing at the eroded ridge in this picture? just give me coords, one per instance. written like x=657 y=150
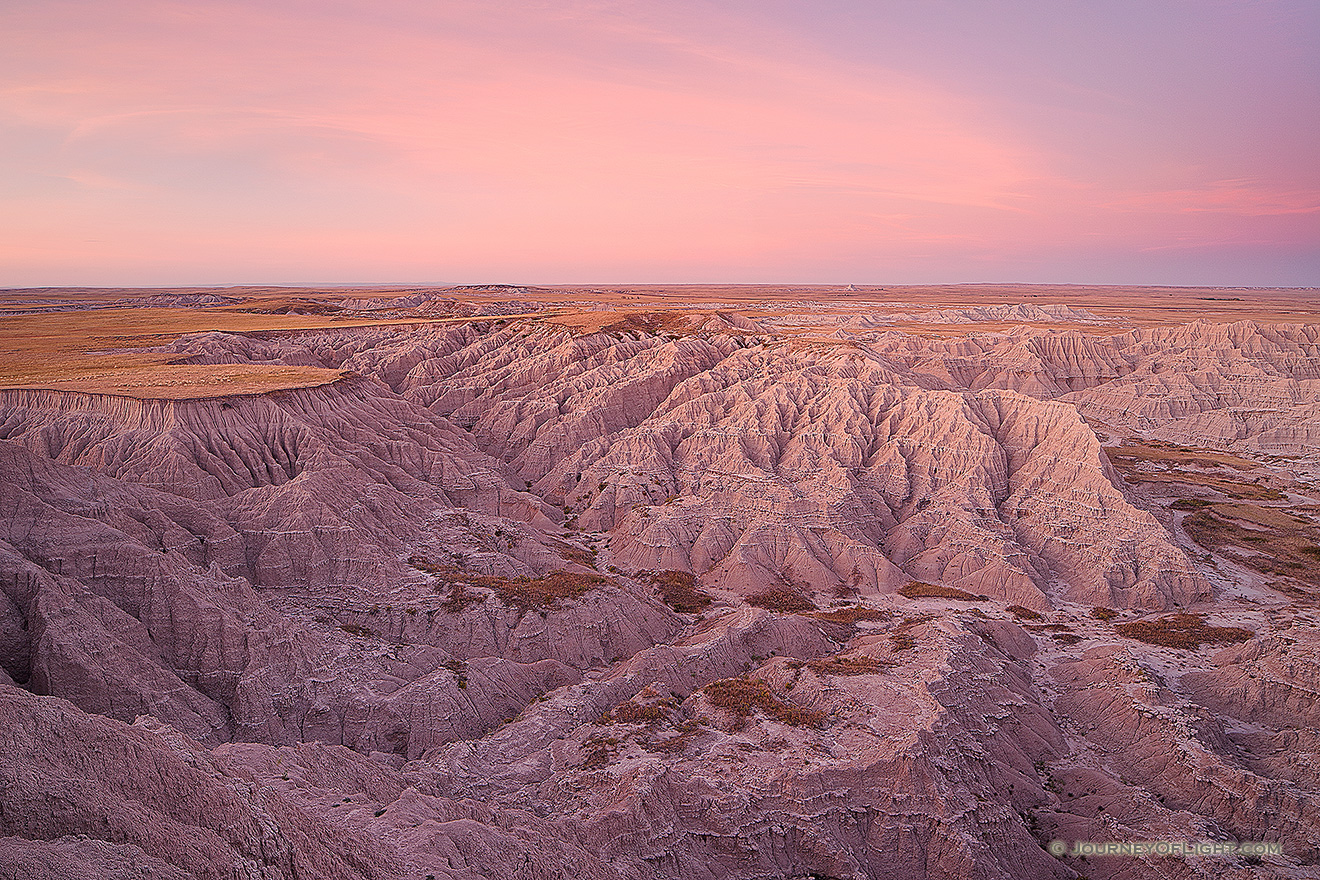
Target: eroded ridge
x=696 y=591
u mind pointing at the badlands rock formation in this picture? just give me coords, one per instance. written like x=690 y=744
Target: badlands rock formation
x=672 y=596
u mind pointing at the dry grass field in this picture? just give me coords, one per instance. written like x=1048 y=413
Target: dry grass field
x=107 y=350
x=101 y=340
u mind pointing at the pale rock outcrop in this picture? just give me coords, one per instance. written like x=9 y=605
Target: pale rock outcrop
x=230 y=647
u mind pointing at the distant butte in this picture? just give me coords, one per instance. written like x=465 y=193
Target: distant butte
x=642 y=582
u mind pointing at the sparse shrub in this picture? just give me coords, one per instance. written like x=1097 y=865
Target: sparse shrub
x=850 y=664
x=421 y=563
x=1022 y=613
x=919 y=590
x=1104 y=613
x=582 y=557
x=741 y=696
x=524 y=593
x=354 y=629
x=1188 y=631
x=903 y=641
x=643 y=709
x=678 y=590
x=851 y=615
x=785 y=600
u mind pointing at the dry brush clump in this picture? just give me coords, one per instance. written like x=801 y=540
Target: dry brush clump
x=459 y=669
x=849 y=664
x=784 y=599
x=1187 y=631
x=901 y=637
x=920 y=590
x=527 y=593
x=598 y=751
x=523 y=593
x=741 y=696
x=1022 y=613
x=1060 y=632
x=678 y=590
x=684 y=732
x=851 y=614
x=840 y=624
x=647 y=707
x=584 y=557
x=635 y=713
x=903 y=641
x=652 y=716
x=421 y=563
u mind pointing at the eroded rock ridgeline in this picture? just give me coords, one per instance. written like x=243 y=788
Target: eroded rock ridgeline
x=323 y=619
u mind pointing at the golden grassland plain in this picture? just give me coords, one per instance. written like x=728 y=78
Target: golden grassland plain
x=102 y=351
x=96 y=341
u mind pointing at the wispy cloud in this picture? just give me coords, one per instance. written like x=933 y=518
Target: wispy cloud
x=461 y=139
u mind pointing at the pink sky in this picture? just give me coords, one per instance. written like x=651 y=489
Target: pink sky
x=152 y=142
